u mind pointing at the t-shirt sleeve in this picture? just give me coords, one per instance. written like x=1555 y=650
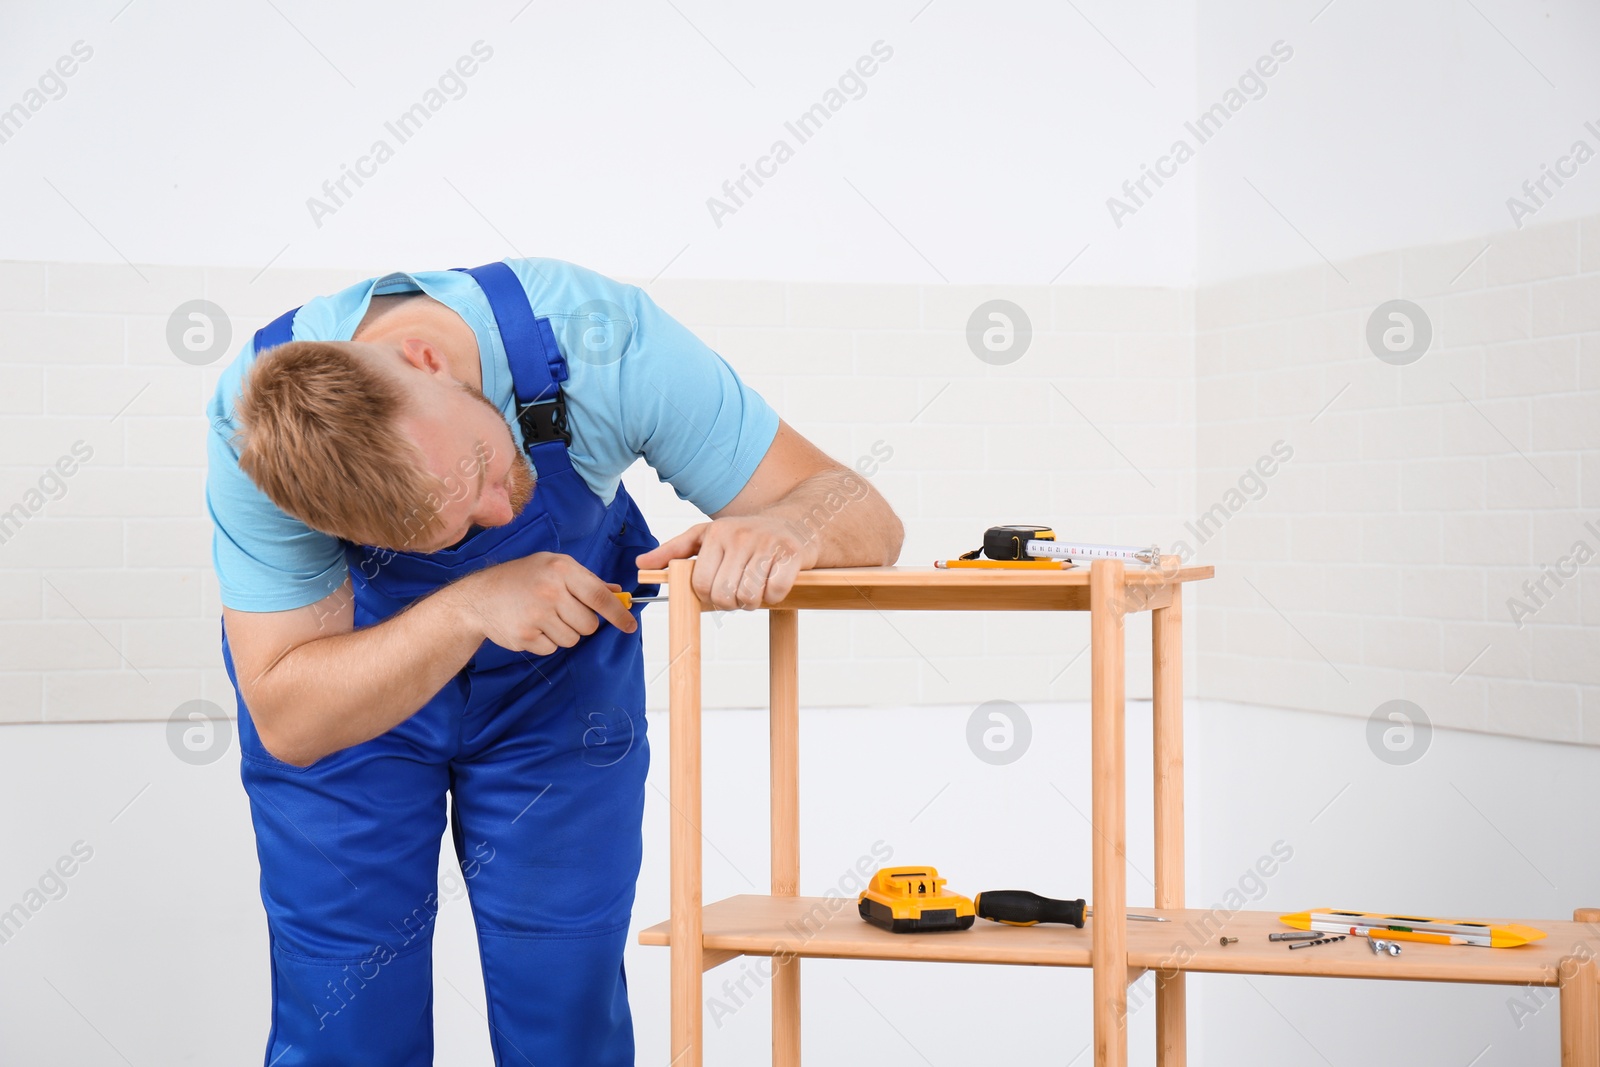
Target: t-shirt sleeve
x=265 y=559
x=687 y=412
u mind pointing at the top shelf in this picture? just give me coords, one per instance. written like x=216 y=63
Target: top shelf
x=969 y=589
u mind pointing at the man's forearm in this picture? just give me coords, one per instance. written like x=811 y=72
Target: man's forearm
x=839 y=515
x=339 y=691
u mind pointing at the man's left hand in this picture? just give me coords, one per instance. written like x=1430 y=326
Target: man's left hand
x=744 y=561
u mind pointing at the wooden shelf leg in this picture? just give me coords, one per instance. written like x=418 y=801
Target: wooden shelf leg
x=784 y=659
x=1580 y=1003
x=684 y=728
x=1167 y=730
x=1109 y=937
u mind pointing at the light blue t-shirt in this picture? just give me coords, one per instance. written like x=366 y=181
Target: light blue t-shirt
x=639 y=385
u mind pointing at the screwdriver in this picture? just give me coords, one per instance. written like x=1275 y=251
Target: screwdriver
x=1131 y=917
x=629 y=600
x=1018 y=907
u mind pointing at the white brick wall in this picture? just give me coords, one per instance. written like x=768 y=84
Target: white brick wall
x=1421 y=498
x=110 y=608
x=974 y=445
x=1376 y=565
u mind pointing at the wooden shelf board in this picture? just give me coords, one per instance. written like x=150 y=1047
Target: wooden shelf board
x=1191 y=940
x=936 y=589
x=828 y=927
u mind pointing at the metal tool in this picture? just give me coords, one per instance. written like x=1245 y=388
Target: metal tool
x=1226 y=941
x=1379 y=945
x=1131 y=917
x=1318 y=941
x=1415 y=928
x=1007 y=564
x=629 y=600
x=1294 y=935
x=1040 y=543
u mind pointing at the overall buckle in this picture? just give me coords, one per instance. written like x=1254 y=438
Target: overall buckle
x=544 y=421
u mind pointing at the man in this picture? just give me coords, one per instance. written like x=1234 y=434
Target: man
x=420 y=532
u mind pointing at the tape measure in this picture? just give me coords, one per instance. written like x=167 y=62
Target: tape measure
x=1039 y=542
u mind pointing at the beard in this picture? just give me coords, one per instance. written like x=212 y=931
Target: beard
x=519 y=482
x=520 y=479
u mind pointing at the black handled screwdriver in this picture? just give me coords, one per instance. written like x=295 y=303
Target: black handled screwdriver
x=1018 y=907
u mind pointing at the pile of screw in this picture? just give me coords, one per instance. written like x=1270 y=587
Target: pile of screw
x=1378 y=945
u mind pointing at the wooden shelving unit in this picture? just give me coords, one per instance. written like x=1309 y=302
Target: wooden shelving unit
x=789 y=927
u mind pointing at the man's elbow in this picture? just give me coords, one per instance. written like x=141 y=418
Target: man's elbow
x=282 y=741
x=880 y=520
x=894 y=534
x=295 y=754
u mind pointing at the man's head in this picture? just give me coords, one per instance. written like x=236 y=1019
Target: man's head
x=377 y=443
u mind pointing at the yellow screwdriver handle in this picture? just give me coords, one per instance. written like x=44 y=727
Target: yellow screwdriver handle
x=628 y=599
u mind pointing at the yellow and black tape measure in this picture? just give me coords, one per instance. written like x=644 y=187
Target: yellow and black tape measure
x=1010 y=542
x=1020 y=543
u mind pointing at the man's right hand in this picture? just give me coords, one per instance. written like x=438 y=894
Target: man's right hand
x=539 y=603
x=316 y=685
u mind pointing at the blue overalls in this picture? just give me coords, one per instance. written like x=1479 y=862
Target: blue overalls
x=544 y=759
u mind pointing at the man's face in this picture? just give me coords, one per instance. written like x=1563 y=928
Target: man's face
x=484 y=479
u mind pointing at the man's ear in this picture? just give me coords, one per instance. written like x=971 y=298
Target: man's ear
x=423 y=356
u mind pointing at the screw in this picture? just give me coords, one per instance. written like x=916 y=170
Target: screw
x=1229 y=940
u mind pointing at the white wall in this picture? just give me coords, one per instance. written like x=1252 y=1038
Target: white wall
x=991 y=141
x=1430 y=537
x=110 y=607
x=597 y=133
x=1382 y=557
x=1394 y=125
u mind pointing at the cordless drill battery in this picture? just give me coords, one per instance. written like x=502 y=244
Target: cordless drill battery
x=907 y=900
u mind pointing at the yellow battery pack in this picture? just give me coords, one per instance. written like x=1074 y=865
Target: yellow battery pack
x=906 y=900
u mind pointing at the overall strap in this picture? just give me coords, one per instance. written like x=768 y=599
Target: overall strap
x=280 y=331
x=537 y=366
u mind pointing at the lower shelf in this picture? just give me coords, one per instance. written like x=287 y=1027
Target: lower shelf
x=1192 y=942
x=829 y=928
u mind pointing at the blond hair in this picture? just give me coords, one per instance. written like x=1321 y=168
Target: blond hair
x=319 y=434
